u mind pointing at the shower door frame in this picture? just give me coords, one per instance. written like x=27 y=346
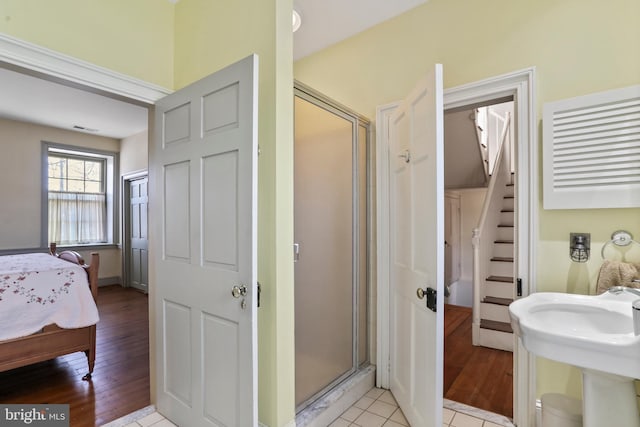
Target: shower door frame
x=322 y=101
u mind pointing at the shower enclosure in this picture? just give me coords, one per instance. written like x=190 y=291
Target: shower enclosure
x=331 y=208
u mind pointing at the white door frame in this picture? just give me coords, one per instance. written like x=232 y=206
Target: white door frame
x=520 y=84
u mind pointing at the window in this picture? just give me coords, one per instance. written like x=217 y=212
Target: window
x=79 y=196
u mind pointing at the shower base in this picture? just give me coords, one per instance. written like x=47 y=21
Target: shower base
x=329 y=407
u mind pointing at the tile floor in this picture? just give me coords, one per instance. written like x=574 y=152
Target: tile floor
x=377 y=408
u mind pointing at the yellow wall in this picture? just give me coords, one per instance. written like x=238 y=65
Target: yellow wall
x=131 y=37
x=577 y=47
x=210 y=35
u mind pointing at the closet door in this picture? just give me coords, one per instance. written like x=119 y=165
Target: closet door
x=138 y=261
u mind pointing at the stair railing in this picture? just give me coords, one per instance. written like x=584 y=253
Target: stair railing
x=481 y=137
x=487 y=231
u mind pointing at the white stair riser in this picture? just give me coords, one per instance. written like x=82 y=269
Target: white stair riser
x=505 y=233
x=509 y=191
x=506 y=218
x=499 y=313
x=498 y=290
x=499 y=268
x=507 y=203
x=496 y=339
x=502 y=250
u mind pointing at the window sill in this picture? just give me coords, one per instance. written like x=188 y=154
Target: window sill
x=91 y=247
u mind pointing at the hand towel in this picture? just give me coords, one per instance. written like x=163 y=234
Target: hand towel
x=617 y=273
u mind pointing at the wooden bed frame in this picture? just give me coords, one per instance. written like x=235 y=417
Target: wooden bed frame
x=53 y=341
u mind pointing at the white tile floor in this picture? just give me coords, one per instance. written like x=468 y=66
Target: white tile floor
x=377 y=408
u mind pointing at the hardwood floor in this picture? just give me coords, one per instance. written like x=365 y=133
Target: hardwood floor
x=477 y=376
x=120 y=383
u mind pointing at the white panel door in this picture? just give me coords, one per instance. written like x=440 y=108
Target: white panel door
x=203 y=216
x=417 y=251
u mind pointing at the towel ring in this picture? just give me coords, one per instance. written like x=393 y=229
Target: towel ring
x=619 y=238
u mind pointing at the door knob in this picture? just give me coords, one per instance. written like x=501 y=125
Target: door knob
x=238 y=291
x=421 y=293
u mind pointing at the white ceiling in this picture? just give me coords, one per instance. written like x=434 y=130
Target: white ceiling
x=326 y=22
x=30 y=99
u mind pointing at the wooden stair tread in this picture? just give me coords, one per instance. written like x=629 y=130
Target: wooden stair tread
x=496 y=326
x=505 y=225
x=507 y=210
x=503 y=279
x=509 y=197
x=505 y=242
x=497 y=301
x=502 y=259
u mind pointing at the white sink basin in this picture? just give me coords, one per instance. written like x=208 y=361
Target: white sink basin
x=594 y=333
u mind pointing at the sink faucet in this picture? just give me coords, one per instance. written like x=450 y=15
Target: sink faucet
x=635 y=305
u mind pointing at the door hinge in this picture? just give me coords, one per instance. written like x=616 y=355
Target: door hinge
x=432 y=299
x=519 y=287
x=259 y=291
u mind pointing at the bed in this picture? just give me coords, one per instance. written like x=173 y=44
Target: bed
x=39 y=342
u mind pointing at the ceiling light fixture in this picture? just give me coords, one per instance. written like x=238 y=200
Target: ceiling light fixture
x=297 y=21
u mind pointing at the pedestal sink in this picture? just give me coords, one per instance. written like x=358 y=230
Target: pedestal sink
x=594 y=333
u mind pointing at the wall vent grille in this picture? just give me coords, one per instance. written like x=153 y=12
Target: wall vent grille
x=591 y=150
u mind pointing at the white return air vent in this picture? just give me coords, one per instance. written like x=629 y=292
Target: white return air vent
x=591 y=149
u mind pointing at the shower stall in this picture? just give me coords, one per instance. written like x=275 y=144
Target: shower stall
x=331 y=231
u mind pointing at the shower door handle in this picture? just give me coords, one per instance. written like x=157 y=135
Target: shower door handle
x=296 y=252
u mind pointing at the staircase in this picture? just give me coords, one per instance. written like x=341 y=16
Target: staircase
x=493 y=259
x=497 y=291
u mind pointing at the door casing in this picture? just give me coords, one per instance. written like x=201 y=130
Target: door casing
x=520 y=85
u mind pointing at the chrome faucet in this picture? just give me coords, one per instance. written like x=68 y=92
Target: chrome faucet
x=635 y=305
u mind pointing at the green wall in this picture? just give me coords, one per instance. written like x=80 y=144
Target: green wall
x=132 y=37
x=172 y=46
x=577 y=47
x=202 y=46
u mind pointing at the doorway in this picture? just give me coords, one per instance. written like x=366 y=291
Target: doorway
x=519 y=85
x=331 y=251
x=51 y=69
x=478 y=367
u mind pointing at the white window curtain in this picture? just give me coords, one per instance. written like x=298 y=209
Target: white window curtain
x=76 y=218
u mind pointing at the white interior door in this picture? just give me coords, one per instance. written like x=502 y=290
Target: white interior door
x=204 y=201
x=416 y=191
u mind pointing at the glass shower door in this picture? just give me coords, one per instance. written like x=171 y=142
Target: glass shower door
x=324 y=234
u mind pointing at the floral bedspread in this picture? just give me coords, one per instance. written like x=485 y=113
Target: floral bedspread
x=39 y=289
